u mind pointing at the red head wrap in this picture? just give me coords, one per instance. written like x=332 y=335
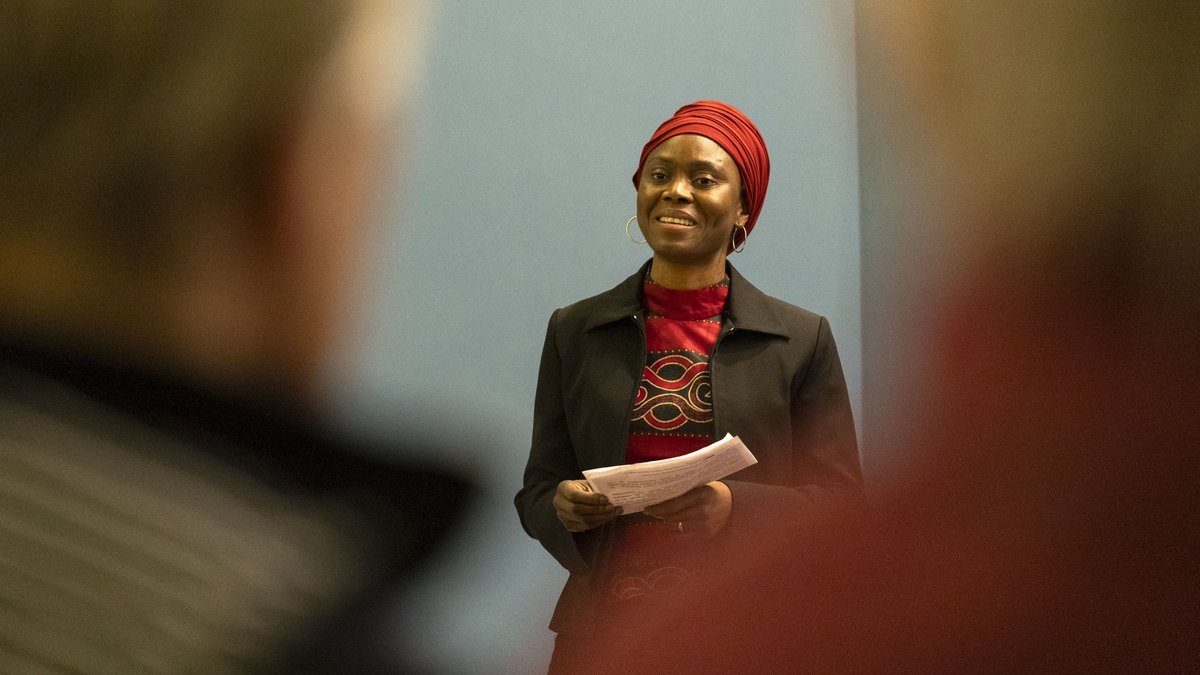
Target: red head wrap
x=726 y=126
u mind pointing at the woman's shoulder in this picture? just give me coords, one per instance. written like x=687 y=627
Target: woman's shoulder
x=791 y=311
x=749 y=304
x=619 y=302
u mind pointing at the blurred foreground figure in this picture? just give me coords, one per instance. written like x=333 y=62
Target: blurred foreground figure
x=1047 y=519
x=182 y=186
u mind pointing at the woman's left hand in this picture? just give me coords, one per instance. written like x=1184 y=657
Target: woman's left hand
x=702 y=511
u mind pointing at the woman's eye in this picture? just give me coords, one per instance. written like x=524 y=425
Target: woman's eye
x=658 y=175
x=705 y=181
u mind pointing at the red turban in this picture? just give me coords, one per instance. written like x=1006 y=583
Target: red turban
x=726 y=126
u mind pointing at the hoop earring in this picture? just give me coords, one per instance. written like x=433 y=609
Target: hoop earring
x=745 y=236
x=630 y=236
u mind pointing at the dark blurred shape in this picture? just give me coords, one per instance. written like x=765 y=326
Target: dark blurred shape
x=183 y=194
x=1043 y=173
x=148 y=525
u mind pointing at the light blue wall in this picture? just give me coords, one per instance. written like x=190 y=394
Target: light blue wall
x=514 y=191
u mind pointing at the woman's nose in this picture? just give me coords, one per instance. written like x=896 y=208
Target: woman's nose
x=679 y=189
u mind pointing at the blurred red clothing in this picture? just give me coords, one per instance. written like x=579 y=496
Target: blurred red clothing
x=1048 y=525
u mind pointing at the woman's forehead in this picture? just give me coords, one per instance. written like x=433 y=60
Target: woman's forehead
x=691 y=149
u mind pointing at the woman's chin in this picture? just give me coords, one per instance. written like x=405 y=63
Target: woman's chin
x=684 y=255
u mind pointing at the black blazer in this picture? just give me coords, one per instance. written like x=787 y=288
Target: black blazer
x=776 y=381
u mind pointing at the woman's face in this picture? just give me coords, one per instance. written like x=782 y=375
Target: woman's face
x=689 y=200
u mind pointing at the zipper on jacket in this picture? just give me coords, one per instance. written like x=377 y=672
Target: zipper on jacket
x=639 y=321
x=607 y=531
x=727 y=328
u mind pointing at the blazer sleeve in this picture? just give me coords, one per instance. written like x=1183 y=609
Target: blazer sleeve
x=822 y=423
x=551 y=460
x=826 y=471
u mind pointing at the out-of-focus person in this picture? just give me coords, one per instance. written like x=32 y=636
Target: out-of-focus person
x=1046 y=520
x=679 y=354
x=183 y=190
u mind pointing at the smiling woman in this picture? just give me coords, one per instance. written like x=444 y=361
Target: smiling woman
x=682 y=352
x=689 y=205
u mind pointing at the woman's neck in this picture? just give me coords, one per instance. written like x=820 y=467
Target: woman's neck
x=686 y=277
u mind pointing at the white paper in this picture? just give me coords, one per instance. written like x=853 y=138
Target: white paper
x=636 y=486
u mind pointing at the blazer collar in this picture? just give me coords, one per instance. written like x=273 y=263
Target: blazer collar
x=747 y=308
x=623 y=301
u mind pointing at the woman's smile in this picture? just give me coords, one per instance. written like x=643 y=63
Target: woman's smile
x=676 y=218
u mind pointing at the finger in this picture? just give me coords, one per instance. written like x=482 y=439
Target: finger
x=581 y=509
x=676 y=512
x=573 y=525
x=579 y=491
x=572 y=521
x=599 y=519
x=579 y=523
x=677 y=508
x=593 y=498
x=684 y=510
x=567 y=518
x=592 y=510
x=693 y=529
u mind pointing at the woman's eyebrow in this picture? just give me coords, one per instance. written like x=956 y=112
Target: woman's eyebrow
x=694 y=164
x=707 y=165
x=669 y=162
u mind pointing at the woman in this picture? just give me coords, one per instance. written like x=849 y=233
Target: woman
x=675 y=356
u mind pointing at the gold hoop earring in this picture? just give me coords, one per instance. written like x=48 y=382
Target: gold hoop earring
x=745 y=236
x=630 y=236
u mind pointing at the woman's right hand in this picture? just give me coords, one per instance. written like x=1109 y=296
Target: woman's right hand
x=579 y=509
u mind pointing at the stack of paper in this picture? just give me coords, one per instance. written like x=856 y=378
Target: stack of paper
x=636 y=486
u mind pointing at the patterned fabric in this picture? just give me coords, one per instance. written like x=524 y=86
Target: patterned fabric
x=672 y=416
x=672 y=412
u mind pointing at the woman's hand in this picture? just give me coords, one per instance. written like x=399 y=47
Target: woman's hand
x=579 y=509
x=702 y=511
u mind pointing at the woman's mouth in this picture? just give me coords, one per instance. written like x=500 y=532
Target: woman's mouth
x=676 y=220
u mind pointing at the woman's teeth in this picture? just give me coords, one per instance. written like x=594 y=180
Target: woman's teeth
x=675 y=221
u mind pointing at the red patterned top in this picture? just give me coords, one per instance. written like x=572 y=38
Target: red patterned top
x=672 y=416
